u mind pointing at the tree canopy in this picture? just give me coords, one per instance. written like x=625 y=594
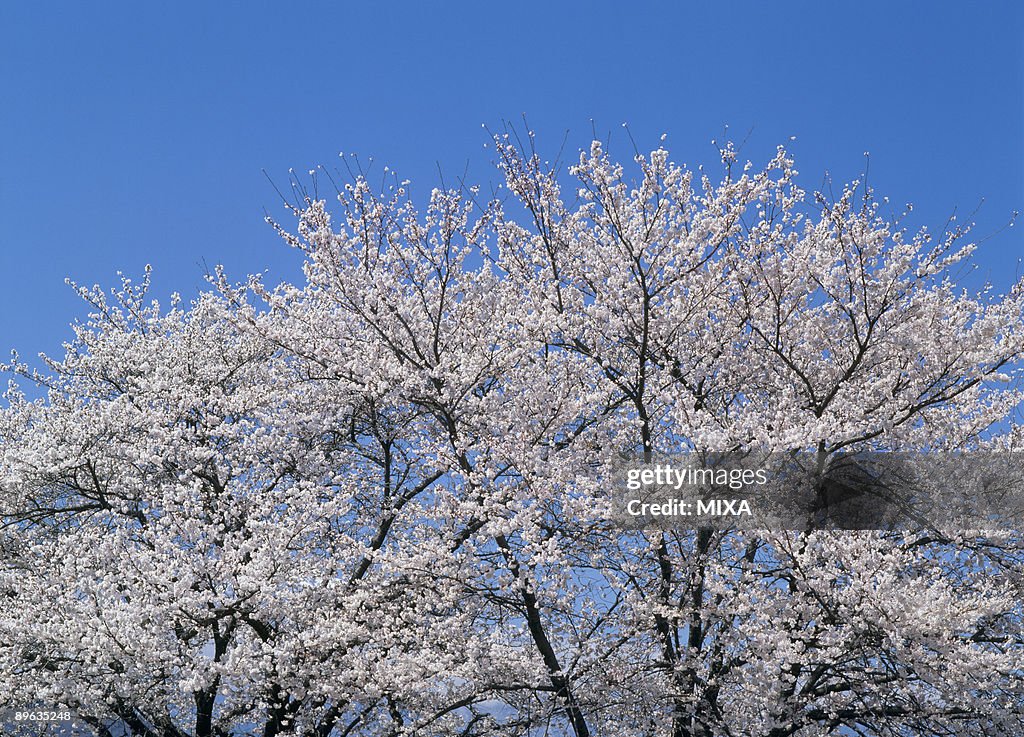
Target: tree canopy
x=371 y=503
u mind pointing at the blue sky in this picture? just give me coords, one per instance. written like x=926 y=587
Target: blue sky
x=135 y=133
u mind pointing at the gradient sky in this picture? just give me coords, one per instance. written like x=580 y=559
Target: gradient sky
x=135 y=133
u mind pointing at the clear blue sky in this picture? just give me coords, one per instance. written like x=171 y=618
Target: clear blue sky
x=134 y=133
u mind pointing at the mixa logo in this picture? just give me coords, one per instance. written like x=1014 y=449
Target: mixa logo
x=723 y=507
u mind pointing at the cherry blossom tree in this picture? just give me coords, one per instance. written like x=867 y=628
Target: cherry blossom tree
x=375 y=502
